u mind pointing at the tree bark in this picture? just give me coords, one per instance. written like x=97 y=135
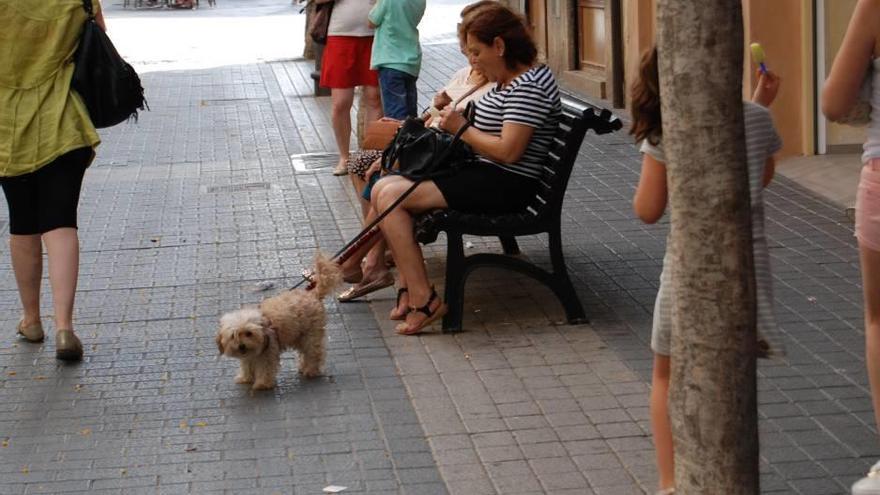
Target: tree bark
x=713 y=405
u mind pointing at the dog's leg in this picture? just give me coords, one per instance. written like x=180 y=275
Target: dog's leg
x=266 y=368
x=311 y=353
x=246 y=373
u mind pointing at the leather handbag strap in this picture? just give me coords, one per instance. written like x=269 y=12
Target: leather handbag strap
x=87 y=6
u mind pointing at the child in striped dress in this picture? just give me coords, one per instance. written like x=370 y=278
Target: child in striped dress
x=762 y=141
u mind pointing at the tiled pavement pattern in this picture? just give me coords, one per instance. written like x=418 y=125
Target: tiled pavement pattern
x=186 y=213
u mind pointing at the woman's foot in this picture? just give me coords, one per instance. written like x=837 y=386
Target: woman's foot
x=341 y=167
x=366 y=286
x=67 y=346
x=401 y=307
x=417 y=318
x=32 y=332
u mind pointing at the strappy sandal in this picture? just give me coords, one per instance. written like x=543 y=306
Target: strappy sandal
x=432 y=316
x=870 y=484
x=401 y=316
x=357 y=291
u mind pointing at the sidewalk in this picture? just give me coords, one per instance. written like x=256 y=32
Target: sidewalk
x=187 y=213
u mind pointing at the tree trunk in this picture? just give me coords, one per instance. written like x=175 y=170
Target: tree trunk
x=713 y=405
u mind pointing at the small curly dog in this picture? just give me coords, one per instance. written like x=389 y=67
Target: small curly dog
x=293 y=319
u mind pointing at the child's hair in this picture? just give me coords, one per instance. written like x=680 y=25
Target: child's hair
x=645 y=103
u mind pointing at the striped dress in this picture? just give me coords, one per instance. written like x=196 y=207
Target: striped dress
x=531 y=99
x=762 y=141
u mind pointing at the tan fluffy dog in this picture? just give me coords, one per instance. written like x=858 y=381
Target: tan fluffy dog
x=293 y=319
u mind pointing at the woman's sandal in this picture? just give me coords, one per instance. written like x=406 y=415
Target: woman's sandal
x=432 y=316
x=394 y=315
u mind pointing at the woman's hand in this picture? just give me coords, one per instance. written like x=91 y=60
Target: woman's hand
x=441 y=99
x=767 y=89
x=451 y=121
x=375 y=168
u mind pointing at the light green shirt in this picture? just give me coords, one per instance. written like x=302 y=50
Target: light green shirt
x=40 y=117
x=396 y=42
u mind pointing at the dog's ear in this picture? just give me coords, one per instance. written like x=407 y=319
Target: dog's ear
x=220 y=343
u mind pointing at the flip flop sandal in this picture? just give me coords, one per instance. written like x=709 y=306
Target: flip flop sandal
x=402 y=316
x=357 y=291
x=432 y=316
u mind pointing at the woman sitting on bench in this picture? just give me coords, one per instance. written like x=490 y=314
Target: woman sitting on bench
x=513 y=130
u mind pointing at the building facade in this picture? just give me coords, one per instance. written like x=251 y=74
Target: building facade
x=594 y=47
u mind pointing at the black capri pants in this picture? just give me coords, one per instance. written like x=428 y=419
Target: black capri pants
x=47 y=198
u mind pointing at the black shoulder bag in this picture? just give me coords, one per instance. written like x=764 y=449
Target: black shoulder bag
x=425 y=153
x=109 y=86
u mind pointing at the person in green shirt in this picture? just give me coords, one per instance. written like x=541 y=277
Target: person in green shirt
x=397 y=54
x=46 y=143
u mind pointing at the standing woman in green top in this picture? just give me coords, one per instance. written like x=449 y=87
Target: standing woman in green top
x=46 y=143
x=397 y=54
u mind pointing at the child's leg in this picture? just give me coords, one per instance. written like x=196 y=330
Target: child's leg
x=660 y=425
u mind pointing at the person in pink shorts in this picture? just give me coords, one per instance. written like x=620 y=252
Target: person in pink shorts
x=858 y=54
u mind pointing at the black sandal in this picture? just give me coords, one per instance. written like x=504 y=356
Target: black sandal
x=400 y=292
x=426 y=310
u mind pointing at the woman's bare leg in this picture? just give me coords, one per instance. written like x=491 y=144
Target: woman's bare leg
x=870 y=263
x=27 y=263
x=341 y=100
x=397 y=229
x=660 y=425
x=62 y=246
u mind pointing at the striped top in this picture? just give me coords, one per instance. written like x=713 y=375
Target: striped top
x=531 y=99
x=762 y=141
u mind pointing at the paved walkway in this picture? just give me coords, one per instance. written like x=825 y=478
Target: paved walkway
x=191 y=211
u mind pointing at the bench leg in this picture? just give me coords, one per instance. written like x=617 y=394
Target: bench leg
x=562 y=286
x=509 y=244
x=455 y=278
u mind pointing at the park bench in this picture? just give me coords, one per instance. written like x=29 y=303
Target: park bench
x=543 y=215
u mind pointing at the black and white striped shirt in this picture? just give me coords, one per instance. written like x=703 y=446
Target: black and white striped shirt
x=531 y=99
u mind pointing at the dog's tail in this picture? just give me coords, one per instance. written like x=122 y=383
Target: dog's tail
x=327 y=275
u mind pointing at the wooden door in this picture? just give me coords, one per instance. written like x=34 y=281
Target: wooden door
x=592 y=40
x=537 y=15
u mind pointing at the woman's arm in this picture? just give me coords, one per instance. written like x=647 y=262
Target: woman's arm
x=99 y=17
x=842 y=86
x=649 y=202
x=509 y=147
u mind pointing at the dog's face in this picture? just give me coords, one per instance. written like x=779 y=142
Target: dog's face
x=242 y=334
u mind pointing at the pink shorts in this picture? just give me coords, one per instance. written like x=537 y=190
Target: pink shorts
x=868 y=206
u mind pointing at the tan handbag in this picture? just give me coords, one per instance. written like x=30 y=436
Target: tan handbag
x=379 y=133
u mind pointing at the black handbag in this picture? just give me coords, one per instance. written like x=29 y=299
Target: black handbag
x=109 y=86
x=425 y=153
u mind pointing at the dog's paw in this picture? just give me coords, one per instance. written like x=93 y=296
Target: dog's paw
x=263 y=386
x=308 y=372
x=239 y=378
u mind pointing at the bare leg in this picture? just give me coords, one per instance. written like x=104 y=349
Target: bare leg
x=27 y=263
x=660 y=421
x=62 y=246
x=397 y=228
x=870 y=262
x=372 y=103
x=342 y=99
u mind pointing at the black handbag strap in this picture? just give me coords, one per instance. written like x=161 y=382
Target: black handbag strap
x=87 y=6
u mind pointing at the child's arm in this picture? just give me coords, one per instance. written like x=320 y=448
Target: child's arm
x=767 y=88
x=769 y=171
x=374 y=19
x=649 y=202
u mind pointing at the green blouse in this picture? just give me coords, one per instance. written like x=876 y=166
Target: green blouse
x=40 y=117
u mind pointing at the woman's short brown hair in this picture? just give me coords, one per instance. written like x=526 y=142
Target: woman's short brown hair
x=466 y=12
x=491 y=20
